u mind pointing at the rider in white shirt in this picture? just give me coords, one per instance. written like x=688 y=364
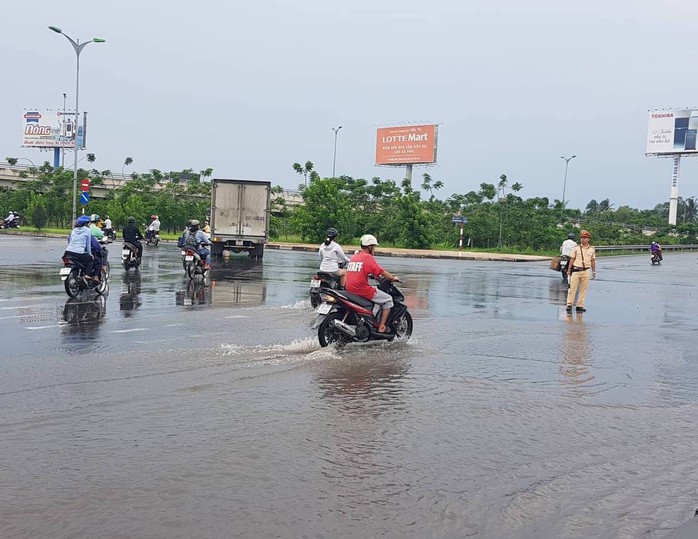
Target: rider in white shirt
x=568 y=246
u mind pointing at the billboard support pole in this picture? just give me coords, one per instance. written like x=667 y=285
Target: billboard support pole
x=56 y=157
x=674 y=196
x=408 y=174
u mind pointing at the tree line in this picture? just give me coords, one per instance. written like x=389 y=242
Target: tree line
x=408 y=214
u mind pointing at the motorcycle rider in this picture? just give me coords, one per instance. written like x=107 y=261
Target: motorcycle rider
x=656 y=249
x=107 y=226
x=132 y=235
x=9 y=219
x=95 y=228
x=194 y=238
x=359 y=267
x=331 y=254
x=568 y=246
x=153 y=227
x=79 y=245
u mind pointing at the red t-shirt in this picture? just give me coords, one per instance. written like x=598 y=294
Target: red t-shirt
x=358 y=268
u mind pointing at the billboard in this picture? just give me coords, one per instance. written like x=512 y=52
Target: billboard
x=48 y=129
x=672 y=132
x=410 y=144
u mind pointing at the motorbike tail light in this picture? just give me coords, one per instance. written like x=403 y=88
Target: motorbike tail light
x=67 y=261
x=327 y=298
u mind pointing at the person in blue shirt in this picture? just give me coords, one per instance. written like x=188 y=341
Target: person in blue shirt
x=194 y=239
x=80 y=245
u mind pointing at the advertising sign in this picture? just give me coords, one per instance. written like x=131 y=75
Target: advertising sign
x=672 y=132
x=48 y=129
x=410 y=144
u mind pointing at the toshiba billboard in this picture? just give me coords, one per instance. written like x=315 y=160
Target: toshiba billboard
x=406 y=145
x=672 y=132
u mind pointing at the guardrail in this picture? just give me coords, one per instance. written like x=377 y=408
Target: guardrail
x=673 y=247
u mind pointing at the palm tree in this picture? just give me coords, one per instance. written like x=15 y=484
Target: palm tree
x=690 y=210
x=592 y=207
x=304 y=170
x=605 y=205
x=127 y=162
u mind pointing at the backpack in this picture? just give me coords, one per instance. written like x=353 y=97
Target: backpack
x=190 y=241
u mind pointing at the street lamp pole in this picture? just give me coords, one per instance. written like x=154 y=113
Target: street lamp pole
x=334 y=158
x=63 y=148
x=77 y=47
x=564 y=183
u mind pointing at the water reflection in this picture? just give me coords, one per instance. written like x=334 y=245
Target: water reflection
x=194 y=293
x=130 y=299
x=576 y=352
x=242 y=282
x=84 y=317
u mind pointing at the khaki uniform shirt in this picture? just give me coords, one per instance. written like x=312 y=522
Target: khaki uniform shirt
x=583 y=256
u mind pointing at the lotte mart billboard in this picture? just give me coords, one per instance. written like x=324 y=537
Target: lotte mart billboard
x=406 y=145
x=672 y=132
x=48 y=129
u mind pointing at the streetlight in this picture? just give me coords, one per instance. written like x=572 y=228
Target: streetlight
x=77 y=47
x=26 y=159
x=334 y=159
x=564 y=184
x=63 y=123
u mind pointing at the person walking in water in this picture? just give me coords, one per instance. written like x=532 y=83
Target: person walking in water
x=582 y=261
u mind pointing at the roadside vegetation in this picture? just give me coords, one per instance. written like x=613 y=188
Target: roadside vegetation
x=407 y=215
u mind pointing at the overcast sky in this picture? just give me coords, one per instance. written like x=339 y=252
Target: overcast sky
x=248 y=88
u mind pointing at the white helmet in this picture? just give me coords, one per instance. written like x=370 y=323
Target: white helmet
x=367 y=240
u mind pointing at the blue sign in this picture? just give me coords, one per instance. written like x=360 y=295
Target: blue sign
x=84 y=198
x=459 y=219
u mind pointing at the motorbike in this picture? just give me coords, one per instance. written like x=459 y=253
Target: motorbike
x=4 y=223
x=109 y=233
x=320 y=281
x=129 y=256
x=564 y=262
x=193 y=263
x=152 y=237
x=75 y=279
x=346 y=317
x=656 y=258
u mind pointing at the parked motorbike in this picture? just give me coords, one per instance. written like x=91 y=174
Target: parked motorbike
x=319 y=282
x=193 y=263
x=346 y=317
x=129 y=256
x=152 y=238
x=75 y=279
x=656 y=258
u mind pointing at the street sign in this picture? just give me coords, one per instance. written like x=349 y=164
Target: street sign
x=459 y=219
x=84 y=197
x=85 y=184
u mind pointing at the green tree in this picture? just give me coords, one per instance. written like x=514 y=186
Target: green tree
x=304 y=170
x=39 y=215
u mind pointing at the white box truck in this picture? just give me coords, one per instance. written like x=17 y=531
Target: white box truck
x=240 y=216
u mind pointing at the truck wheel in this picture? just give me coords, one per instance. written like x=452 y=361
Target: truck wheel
x=217 y=250
x=257 y=253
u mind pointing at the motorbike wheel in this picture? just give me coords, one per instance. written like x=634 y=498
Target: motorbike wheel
x=126 y=265
x=105 y=271
x=403 y=326
x=156 y=241
x=326 y=333
x=191 y=270
x=72 y=284
x=314 y=300
x=101 y=288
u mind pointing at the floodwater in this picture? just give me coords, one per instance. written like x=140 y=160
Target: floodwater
x=164 y=410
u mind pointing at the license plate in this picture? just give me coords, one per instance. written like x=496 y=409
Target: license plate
x=325 y=308
x=239 y=242
x=314 y=283
x=125 y=253
x=65 y=271
x=189 y=258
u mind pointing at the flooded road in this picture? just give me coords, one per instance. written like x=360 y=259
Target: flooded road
x=165 y=410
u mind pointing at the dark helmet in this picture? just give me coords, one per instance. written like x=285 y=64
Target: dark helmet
x=82 y=220
x=332 y=233
x=570 y=236
x=131 y=220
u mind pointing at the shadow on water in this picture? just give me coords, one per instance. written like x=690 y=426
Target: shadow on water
x=84 y=317
x=130 y=299
x=193 y=293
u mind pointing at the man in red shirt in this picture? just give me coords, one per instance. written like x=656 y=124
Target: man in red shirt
x=358 y=269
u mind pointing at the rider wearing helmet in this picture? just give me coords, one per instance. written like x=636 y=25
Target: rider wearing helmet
x=132 y=235
x=194 y=238
x=655 y=248
x=568 y=246
x=360 y=266
x=153 y=227
x=79 y=245
x=331 y=255
x=95 y=228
